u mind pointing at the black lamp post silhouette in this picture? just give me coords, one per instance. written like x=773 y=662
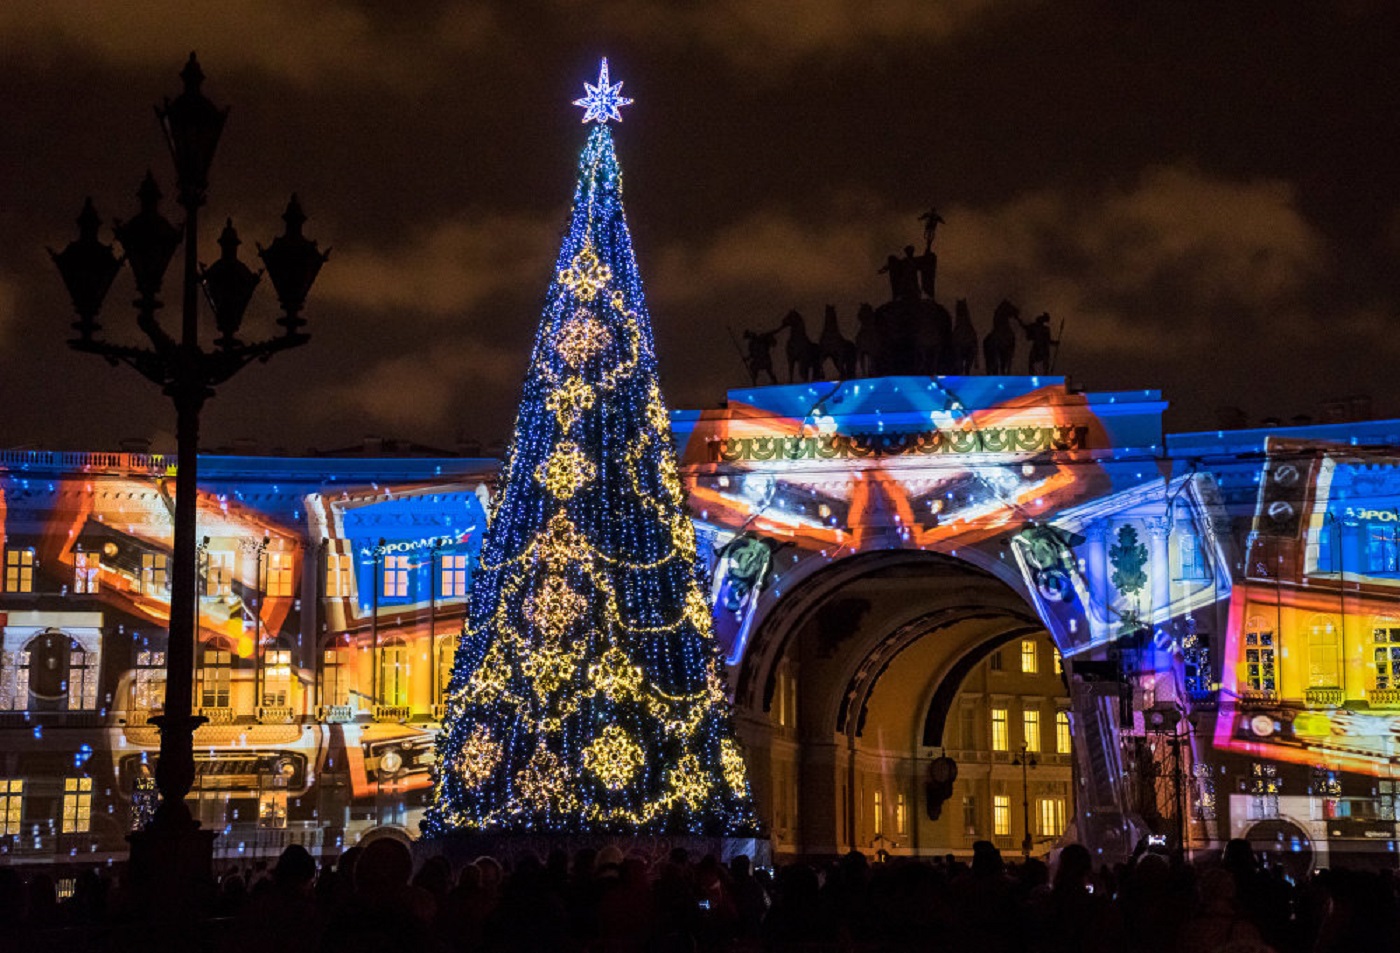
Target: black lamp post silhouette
x=1025 y=761
x=170 y=846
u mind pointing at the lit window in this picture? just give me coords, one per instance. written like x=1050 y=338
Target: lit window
x=393 y=673
x=77 y=805
x=19 y=570
x=1324 y=652
x=82 y=678
x=1259 y=656
x=148 y=686
x=155 y=574
x=217 y=675
x=1001 y=815
x=11 y=805
x=1001 y=740
x=901 y=815
x=218 y=573
x=279 y=574
x=1264 y=790
x=1059 y=661
x=1029 y=663
x=87 y=568
x=335 y=686
x=338 y=567
x=277 y=677
x=1052 y=816
x=1386 y=640
x=1030 y=728
x=879 y=813
x=395 y=577
x=454 y=576
x=272 y=809
x=1062 y=740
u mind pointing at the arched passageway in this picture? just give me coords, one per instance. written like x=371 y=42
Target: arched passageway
x=849 y=689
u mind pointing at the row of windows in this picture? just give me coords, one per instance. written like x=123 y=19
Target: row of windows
x=219 y=570
x=1049 y=816
x=76 y=814
x=1029 y=659
x=1324 y=654
x=1030 y=729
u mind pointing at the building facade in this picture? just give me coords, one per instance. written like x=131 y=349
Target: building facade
x=1222 y=609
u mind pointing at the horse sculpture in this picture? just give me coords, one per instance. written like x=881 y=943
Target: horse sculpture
x=964 y=340
x=804 y=355
x=835 y=347
x=999 y=346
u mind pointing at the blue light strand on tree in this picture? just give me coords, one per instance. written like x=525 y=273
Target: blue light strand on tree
x=588 y=693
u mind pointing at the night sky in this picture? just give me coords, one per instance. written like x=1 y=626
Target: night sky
x=1207 y=193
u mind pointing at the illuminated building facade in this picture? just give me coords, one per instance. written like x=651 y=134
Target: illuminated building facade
x=1225 y=606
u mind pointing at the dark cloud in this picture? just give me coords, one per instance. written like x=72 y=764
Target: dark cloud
x=1205 y=193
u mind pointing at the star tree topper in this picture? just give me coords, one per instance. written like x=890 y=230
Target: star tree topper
x=604 y=101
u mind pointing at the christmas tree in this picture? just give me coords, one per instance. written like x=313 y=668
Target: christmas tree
x=588 y=693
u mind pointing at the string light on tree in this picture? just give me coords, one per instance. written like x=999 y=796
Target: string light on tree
x=588 y=693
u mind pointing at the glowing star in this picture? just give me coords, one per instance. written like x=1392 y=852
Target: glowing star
x=613 y=757
x=586 y=275
x=581 y=337
x=602 y=102
x=480 y=755
x=566 y=471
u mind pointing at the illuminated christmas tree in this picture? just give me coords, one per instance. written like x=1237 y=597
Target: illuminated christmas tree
x=588 y=693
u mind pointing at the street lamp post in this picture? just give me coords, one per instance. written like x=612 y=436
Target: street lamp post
x=171 y=848
x=1026 y=762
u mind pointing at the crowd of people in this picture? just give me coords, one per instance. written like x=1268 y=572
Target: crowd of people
x=372 y=899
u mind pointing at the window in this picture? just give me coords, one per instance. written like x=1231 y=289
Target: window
x=395 y=577
x=1264 y=791
x=82 y=678
x=272 y=808
x=1000 y=739
x=216 y=676
x=1259 y=657
x=335 y=686
x=967 y=724
x=1001 y=815
x=279 y=574
x=1052 y=816
x=454 y=576
x=218 y=573
x=77 y=805
x=1324 y=652
x=969 y=814
x=1193 y=558
x=87 y=568
x=155 y=574
x=148 y=686
x=994 y=661
x=338 y=568
x=1382 y=550
x=879 y=813
x=277 y=676
x=19 y=699
x=11 y=805
x=1030 y=664
x=901 y=815
x=1386 y=641
x=1062 y=738
x=1030 y=728
x=1058 y=660
x=19 y=570
x=393 y=673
